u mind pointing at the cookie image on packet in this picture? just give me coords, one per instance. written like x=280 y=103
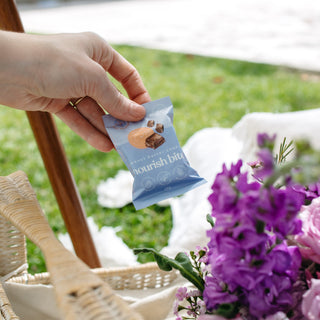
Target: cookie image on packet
x=138 y=137
x=145 y=137
x=152 y=153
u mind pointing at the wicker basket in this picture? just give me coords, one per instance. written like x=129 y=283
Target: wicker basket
x=140 y=277
x=18 y=204
x=13 y=262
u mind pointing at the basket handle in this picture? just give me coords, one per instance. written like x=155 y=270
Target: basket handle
x=80 y=293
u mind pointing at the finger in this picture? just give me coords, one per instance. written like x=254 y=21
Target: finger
x=128 y=76
x=86 y=130
x=103 y=91
x=122 y=71
x=91 y=111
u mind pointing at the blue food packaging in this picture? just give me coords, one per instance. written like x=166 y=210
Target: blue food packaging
x=152 y=153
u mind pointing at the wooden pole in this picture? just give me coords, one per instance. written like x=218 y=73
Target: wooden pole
x=55 y=161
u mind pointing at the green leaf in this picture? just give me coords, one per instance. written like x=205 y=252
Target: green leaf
x=181 y=263
x=285 y=150
x=227 y=310
x=202 y=253
x=210 y=220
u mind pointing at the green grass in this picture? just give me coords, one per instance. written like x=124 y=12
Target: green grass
x=205 y=92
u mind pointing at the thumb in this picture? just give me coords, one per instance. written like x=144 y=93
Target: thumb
x=104 y=92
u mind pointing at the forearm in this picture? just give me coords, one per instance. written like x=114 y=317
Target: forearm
x=17 y=64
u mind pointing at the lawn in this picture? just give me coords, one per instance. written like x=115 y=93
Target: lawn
x=205 y=92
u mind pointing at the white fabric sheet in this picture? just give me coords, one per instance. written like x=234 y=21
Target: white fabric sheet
x=37 y=302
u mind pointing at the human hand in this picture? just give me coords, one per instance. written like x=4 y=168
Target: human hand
x=45 y=73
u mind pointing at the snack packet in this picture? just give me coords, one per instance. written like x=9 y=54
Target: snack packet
x=152 y=153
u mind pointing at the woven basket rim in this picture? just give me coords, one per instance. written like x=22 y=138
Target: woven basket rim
x=141 y=276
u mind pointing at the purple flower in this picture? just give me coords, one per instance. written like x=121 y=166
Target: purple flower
x=202 y=254
x=277 y=208
x=270 y=295
x=315 y=189
x=240 y=274
x=297 y=292
x=181 y=293
x=287 y=205
x=281 y=258
x=310 y=192
x=247 y=236
x=224 y=194
x=234 y=198
x=224 y=200
x=266 y=141
x=215 y=293
x=286 y=260
x=249 y=259
x=267 y=164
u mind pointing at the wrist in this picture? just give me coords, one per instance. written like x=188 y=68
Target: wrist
x=17 y=60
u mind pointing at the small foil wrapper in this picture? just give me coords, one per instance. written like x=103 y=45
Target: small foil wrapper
x=152 y=153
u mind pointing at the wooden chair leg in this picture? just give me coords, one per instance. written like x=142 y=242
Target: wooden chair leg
x=55 y=161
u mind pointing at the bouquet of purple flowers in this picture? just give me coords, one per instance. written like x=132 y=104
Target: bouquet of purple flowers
x=262 y=260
